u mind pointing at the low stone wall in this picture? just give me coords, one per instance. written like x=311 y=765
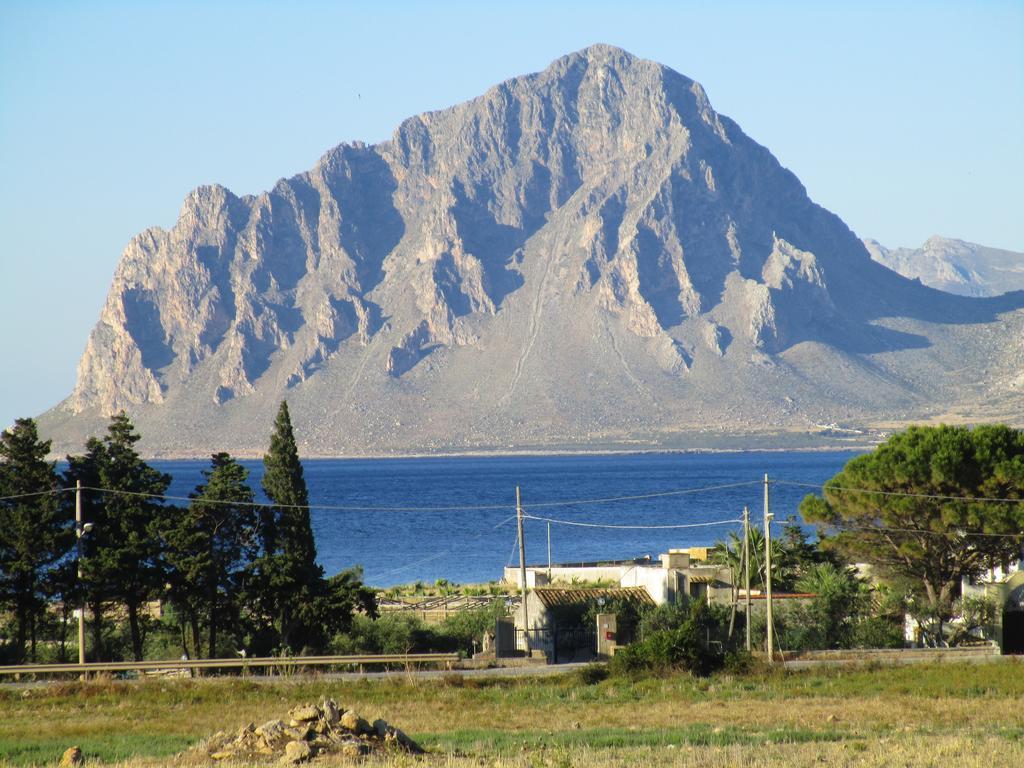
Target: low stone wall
x=881 y=654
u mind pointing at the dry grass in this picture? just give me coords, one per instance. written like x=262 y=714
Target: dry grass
x=899 y=752
x=907 y=717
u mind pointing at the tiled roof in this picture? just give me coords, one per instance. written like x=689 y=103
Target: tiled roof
x=703 y=578
x=553 y=596
x=782 y=596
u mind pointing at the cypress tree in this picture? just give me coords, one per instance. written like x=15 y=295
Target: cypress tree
x=291 y=581
x=34 y=534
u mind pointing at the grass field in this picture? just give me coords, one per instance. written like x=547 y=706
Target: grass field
x=972 y=715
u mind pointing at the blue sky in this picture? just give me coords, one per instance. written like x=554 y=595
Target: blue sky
x=906 y=119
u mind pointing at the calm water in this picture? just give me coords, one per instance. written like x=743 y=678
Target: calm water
x=473 y=545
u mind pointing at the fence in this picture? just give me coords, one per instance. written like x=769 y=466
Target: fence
x=279 y=664
x=435 y=609
x=559 y=644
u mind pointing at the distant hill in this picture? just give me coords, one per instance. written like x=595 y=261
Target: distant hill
x=955 y=266
x=588 y=257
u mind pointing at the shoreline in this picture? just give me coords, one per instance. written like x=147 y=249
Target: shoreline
x=524 y=453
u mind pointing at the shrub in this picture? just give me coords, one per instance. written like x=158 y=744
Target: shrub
x=592 y=674
x=664 y=617
x=461 y=630
x=401 y=632
x=878 y=632
x=391 y=633
x=694 y=645
x=738 y=661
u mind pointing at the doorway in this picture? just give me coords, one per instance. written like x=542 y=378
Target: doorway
x=1013 y=632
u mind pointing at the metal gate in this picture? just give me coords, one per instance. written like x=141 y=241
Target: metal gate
x=561 y=644
x=574 y=644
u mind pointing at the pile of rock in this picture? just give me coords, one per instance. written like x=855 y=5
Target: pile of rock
x=309 y=731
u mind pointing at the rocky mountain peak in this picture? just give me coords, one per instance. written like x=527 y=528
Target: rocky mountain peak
x=955 y=266
x=585 y=250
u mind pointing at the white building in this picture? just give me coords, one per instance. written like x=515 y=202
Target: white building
x=677 y=572
x=1004 y=586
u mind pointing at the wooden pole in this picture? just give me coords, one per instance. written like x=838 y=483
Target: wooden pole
x=522 y=571
x=549 y=553
x=746 y=567
x=768 y=572
x=78 y=564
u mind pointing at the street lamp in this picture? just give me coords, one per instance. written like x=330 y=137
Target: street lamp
x=81 y=529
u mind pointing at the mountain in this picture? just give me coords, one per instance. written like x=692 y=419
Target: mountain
x=587 y=257
x=955 y=266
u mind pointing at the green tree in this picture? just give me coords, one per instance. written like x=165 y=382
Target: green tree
x=928 y=506
x=729 y=553
x=85 y=469
x=801 y=557
x=123 y=563
x=347 y=595
x=62 y=585
x=34 y=530
x=830 y=618
x=290 y=584
x=208 y=548
x=693 y=637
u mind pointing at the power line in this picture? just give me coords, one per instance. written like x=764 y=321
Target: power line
x=512 y=552
x=581 y=524
x=437 y=555
x=683 y=492
x=845 y=489
x=536 y=505
x=452 y=508
x=51 y=492
x=950 y=534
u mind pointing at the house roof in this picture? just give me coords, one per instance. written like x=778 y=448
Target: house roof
x=703 y=578
x=783 y=596
x=552 y=596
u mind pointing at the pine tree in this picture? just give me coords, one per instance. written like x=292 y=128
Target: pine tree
x=291 y=582
x=85 y=469
x=34 y=534
x=123 y=563
x=920 y=508
x=208 y=547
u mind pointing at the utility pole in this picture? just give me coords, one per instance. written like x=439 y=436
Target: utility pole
x=768 y=572
x=78 y=541
x=746 y=568
x=522 y=571
x=549 y=553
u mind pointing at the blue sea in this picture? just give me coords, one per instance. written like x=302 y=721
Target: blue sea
x=404 y=520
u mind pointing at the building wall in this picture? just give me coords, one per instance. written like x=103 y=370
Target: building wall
x=659 y=583
x=537 y=576
x=664 y=585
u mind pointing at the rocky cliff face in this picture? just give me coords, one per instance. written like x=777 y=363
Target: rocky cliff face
x=586 y=256
x=955 y=266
